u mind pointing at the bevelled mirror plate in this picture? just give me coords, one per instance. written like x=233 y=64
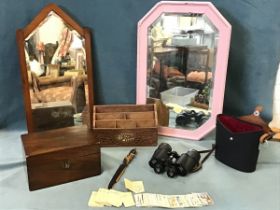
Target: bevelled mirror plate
x=181 y=65
x=56 y=70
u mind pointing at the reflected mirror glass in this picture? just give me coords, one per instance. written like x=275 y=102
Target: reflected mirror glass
x=57 y=74
x=181 y=67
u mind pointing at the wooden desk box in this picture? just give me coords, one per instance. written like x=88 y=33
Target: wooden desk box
x=58 y=156
x=125 y=125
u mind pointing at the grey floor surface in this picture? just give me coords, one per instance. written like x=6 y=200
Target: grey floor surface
x=230 y=189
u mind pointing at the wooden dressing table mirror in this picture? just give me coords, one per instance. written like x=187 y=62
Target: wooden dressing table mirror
x=56 y=69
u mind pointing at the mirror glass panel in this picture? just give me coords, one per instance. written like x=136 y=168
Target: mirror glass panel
x=57 y=74
x=180 y=68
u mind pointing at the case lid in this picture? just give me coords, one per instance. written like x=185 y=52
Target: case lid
x=59 y=139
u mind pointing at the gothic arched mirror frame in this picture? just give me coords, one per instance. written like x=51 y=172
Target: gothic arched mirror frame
x=25 y=32
x=224 y=30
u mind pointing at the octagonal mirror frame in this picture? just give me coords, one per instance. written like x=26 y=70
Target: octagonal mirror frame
x=224 y=29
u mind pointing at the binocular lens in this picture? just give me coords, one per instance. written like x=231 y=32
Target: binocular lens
x=159 y=168
x=171 y=172
x=152 y=162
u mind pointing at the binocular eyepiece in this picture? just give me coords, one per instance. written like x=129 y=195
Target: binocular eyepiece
x=164 y=159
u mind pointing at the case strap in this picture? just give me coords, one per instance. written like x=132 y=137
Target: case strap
x=266 y=137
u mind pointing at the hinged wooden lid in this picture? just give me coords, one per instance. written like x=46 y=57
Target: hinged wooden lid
x=59 y=139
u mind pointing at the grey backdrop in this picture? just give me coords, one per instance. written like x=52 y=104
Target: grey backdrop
x=254 y=53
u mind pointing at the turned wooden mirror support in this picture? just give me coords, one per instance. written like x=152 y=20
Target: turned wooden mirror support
x=56 y=70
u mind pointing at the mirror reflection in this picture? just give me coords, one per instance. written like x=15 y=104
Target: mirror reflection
x=57 y=74
x=181 y=67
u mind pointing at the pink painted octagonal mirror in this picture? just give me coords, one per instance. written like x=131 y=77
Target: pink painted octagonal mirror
x=182 y=59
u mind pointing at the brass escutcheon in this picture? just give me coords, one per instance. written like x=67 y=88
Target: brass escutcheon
x=66 y=164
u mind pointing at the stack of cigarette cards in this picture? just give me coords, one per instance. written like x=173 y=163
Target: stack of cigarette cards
x=173 y=201
x=104 y=197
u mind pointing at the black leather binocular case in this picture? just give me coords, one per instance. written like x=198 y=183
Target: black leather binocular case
x=237 y=143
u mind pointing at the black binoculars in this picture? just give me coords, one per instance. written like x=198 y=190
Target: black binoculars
x=190 y=116
x=164 y=159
